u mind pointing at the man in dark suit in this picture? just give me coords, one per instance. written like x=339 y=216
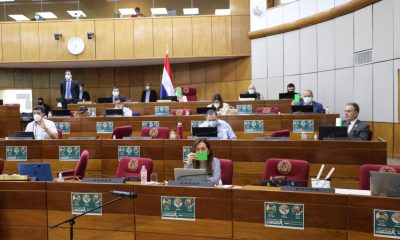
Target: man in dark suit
x=84 y=96
x=115 y=94
x=44 y=105
x=149 y=95
x=307 y=100
x=69 y=90
x=355 y=128
x=252 y=90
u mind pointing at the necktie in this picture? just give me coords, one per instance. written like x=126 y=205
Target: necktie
x=69 y=89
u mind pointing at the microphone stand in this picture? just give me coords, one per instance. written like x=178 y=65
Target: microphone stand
x=71 y=221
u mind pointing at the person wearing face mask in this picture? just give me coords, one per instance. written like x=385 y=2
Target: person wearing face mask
x=84 y=96
x=119 y=104
x=212 y=164
x=308 y=100
x=252 y=90
x=115 y=94
x=41 y=127
x=149 y=95
x=218 y=103
x=69 y=90
x=179 y=95
x=45 y=106
x=290 y=88
x=225 y=131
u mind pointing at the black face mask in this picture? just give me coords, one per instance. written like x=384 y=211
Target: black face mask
x=291 y=91
x=40 y=103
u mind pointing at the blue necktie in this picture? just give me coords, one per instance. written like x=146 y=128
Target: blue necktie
x=69 y=89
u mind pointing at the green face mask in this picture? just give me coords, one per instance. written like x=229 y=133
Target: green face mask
x=179 y=92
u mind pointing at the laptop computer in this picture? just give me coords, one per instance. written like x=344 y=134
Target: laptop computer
x=104 y=100
x=248 y=95
x=171 y=98
x=205 y=131
x=114 y=112
x=61 y=113
x=204 y=110
x=183 y=174
x=22 y=135
x=38 y=171
x=384 y=184
x=304 y=109
x=332 y=132
x=286 y=95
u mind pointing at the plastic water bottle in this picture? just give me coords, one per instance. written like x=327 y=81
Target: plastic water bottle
x=303 y=136
x=172 y=135
x=187 y=113
x=326 y=110
x=60 y=178
x=143 y=175
x=179 y=131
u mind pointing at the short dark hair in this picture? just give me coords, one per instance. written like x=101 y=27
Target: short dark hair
x=40 y=99
x=81 y=84
x=115 y=87
x=290 y=85
x=68 y=71
x=38 y=107
x=355 y=106
x=119 y=99
x=211 y=112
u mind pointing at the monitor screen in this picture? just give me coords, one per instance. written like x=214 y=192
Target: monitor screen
x=204 y=110
x=114 y=112
x=286 y=95
x=248 y=95
x=331 y=132
x=172 y=98
x=61 y=113
x=22 y=135
x=39 y=171
x=184 y=174
x=383 y=183
x=304 y=109
x=205 y=131
x=104 y=100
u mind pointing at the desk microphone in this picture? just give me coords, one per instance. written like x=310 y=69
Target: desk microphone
x=124 y=194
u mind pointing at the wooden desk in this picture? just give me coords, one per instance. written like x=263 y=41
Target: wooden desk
x=34 y=153
x=10 y=120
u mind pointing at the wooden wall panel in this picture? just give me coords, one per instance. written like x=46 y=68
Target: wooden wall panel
x=201 y=90
x=122 y=76
x=385 y=131
x=182 y=37
x=162 y=31
x=123 y=38
x=6 y=78
x=243 y=68
x=152 y=74
x=99 y=77
x=143 y=43
x=198 y=72
x=82 y=27
x=228 y=70
x=46 y=41
x=241 y=87
x=182 y=73
x=240 y=42
x=40 y=78
x=221 y=35
x=105 y=39
x=396 y=142
x=213 y=71
x=68 y=31
x=10 y=35
x=202 y=36
x=228 y=90
x=29 y=41
x=137 y=77
x=240 y=6
x=56 y=76
x=23 y=78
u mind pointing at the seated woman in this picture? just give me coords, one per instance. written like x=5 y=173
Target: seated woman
x=212 y=165
x=179 y=95
x=218 y=103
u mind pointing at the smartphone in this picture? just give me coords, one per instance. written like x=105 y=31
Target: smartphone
x=201 y=156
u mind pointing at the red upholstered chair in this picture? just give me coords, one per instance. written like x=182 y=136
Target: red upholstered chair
x=226 y=171
x=156 y=133
x=59 y=134
x=180 y=112
x=1 y=165
x=267 y=110
x=121 y=132
x=366 y=168
x=131 y=167
x=80 y=169
x=288 y=168
x=190 y=93
x=281 y=133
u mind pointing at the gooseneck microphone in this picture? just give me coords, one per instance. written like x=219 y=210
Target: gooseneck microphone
x=124 y=194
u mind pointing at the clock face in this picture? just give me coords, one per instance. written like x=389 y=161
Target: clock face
x=76 y=45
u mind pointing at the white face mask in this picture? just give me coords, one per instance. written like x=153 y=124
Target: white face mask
x=252 y=91
x=115 y=93
x=307 y=100
x=119 y=106
x=67 y=77
x=80 y=89
x=212 y=123
x=147 y=87
x=37 y=118
x=216 y=105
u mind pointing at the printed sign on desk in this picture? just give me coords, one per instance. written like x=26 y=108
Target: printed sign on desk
x=185 y=152
x=178 y=208
x=253 y=126
x=303 y=125
x=245 y=109
x=92 y=112
x=16 y=153
x=65 y=127
x=284 y=215
x=83 y=202
x=150 y=124
x=161 y=110
x=195 y=123
x=104 y=127
x=69 y=153
x=387 y=223
x=128 y=151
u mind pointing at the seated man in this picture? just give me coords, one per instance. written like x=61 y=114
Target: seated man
x=308 y=100
x=252 y=90
x=115 y=94
x=119 y=104
x=356 y=129
x=45 y=106
x=291 y=88
x=41 y=127
x=84 y=96
x=222 y=126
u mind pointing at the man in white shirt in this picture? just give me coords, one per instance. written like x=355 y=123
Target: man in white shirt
x=41 y=127
x=224 y=129
x=119 y=104
x=355 y=128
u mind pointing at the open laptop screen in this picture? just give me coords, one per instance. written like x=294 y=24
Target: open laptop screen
x=183 y=174
x=205 y=131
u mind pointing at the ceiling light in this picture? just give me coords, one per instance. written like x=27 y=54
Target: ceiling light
x=190 y=11
x=222 y=12
x=47 y=15
x=158 y=11
x=19 y=17
x=76 y=13
x=127 y=11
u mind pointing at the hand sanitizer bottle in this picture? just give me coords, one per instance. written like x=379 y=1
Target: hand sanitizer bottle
x=60 y=178
x=143 y=175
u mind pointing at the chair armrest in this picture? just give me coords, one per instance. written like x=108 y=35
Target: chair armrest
x=67 y=173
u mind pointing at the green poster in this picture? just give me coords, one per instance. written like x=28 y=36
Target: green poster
x=69 y=153
x=304 y=125
x=65 y=127
x=16 y=153
x=284 y=215
x=178 y=208
x=254 y=126
x=245 y=109
x=386 y=223
x=185 y=152
x=128 y=151
x=82 y=202
x=161 y=110
x=150 y=124
x=104 y=127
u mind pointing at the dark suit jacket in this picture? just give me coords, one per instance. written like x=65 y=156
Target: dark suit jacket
x=360 y=130
x=152 y=98
x=317 y=107
x=85 y=96
x=74 y=89
x=46 y=108
x=120 y=97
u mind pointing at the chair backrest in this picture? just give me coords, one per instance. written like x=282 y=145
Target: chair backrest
x=281 y=133
x=59 y=134
x=226 y=171
x=157 y=133
x=1 y=165
x=180 y=112
x=370 y=133
x=80 y=169
x=268 y=110
x=366 y=168
x=121 y=132
x=290 y=168
x=190 y=93
x=131 y=167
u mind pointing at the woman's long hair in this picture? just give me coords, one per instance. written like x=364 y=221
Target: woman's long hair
x=196 y=164
x=218 y=97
